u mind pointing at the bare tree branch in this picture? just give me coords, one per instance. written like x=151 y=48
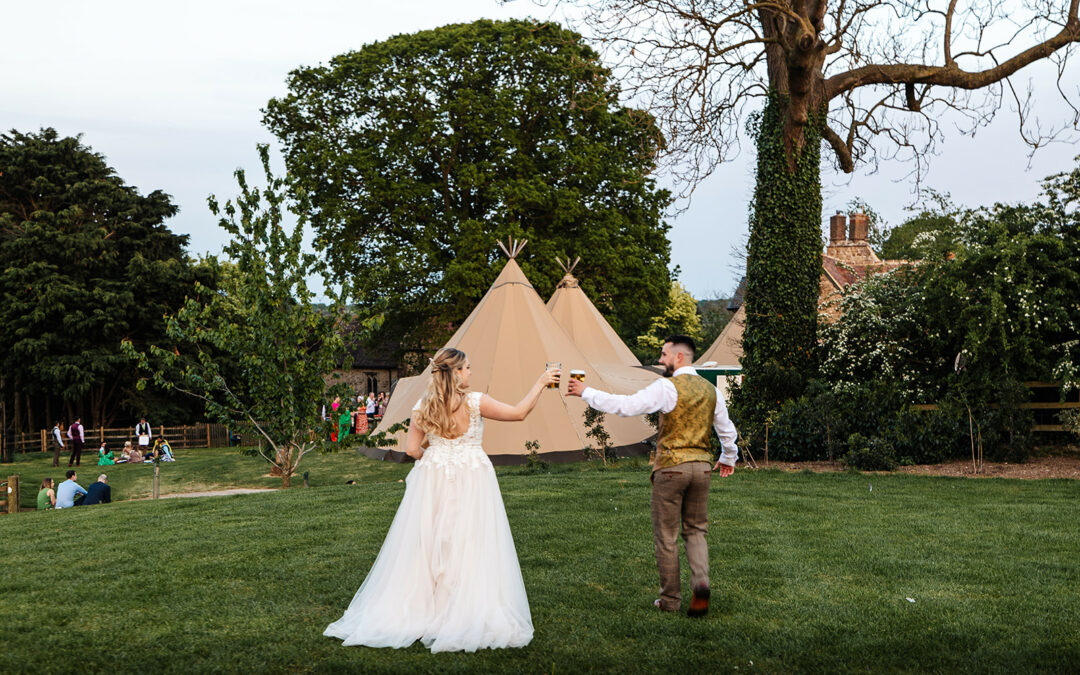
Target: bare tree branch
x=701 y=67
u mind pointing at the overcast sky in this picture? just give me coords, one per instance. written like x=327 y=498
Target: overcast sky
x=171 y=94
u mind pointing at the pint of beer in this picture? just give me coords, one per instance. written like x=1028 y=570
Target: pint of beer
x=578 y=375
x=548 y=366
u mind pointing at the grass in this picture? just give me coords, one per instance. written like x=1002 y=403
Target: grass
x=811 y=573
x=196 y=470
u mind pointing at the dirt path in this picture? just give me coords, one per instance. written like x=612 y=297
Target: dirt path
x=217 y=493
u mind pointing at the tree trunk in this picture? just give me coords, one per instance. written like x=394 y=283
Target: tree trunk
x=783 y=267
x=17 y=412
x=795 y=61
x=97 y=393
x=106 y=414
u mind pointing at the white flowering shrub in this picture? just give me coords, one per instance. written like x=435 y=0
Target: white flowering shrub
x=1007 y=299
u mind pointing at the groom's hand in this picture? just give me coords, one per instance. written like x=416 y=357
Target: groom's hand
x=574 y=387
x=724 y=469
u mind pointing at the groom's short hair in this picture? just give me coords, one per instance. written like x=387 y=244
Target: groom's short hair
x=682 y=341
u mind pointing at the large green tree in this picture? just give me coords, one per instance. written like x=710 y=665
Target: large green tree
x=86 y=262
x=680 y=317
x=865 y=79
x=422 y=151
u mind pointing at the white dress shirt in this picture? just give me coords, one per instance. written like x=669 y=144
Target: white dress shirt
x=661 y=396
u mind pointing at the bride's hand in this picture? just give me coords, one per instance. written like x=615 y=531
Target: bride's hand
x=549 y=376
x=417 y=454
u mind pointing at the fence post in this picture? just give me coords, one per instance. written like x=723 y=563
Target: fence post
x=13 y=494
x=208 y=435
x=44 y=441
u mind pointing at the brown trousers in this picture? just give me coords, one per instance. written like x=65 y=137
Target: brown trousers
x=680 y=494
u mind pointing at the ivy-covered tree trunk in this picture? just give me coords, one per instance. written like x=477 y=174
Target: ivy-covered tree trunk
x=783 y=268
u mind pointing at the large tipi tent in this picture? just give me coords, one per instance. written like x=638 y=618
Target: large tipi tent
x=726 y=350
x=509 y=337
x=596 y=339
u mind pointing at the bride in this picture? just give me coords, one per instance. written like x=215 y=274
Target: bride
x=447 y=573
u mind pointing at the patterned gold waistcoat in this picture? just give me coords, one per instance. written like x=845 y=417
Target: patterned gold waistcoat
x=684 y=432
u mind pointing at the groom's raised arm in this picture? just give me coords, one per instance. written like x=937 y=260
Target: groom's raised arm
x=659 y=396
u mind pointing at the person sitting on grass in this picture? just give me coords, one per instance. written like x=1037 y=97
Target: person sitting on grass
x=125 y=453
x=162 y=452
x=46 y=496
x=99 y=492
x=65 y=494
x=135 y=456
x=105 y=456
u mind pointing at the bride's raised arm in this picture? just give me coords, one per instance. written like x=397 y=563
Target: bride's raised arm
x=504 y=412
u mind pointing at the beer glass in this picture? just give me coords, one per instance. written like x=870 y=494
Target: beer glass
x=548 y=366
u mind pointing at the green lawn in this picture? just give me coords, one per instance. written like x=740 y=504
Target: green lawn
x=196 y=470
x=811 y=572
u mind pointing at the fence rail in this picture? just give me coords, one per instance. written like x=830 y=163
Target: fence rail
x=179 y=437
x=1047 y=405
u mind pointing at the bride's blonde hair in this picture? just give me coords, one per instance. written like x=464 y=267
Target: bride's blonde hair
x=445 y=393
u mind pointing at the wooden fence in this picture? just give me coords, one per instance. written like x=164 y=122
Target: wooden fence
x=1046 y=404
x=179 y=437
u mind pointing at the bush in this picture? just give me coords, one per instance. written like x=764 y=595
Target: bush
x=533 y=463
x=930 y=437
x=816 y=426
x=1070 y=419
x=869 y=454
x=1006 y=428
x=798 y=432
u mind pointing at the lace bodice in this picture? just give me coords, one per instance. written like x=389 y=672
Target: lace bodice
x=463 y=451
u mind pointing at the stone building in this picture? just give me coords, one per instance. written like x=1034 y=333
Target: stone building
x=847 y=259
x=374 y=369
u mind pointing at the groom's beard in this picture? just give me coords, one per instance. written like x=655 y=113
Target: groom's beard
x=669 y=370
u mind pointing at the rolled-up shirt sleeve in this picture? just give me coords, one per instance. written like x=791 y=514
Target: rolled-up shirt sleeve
x=659 y=396
x=725 y=430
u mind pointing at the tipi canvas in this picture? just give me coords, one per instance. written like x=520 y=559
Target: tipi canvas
x=509 y=337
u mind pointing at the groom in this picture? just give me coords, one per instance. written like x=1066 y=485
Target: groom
x=689 y=405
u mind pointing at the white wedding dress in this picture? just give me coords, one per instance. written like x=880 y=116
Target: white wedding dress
x=447 y=574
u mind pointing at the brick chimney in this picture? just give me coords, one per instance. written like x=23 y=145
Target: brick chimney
x=837 y=228
x=860 y=227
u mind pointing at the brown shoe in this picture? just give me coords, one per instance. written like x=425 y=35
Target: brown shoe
x=699 y=603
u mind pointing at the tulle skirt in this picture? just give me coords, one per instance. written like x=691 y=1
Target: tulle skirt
x=447 y=573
